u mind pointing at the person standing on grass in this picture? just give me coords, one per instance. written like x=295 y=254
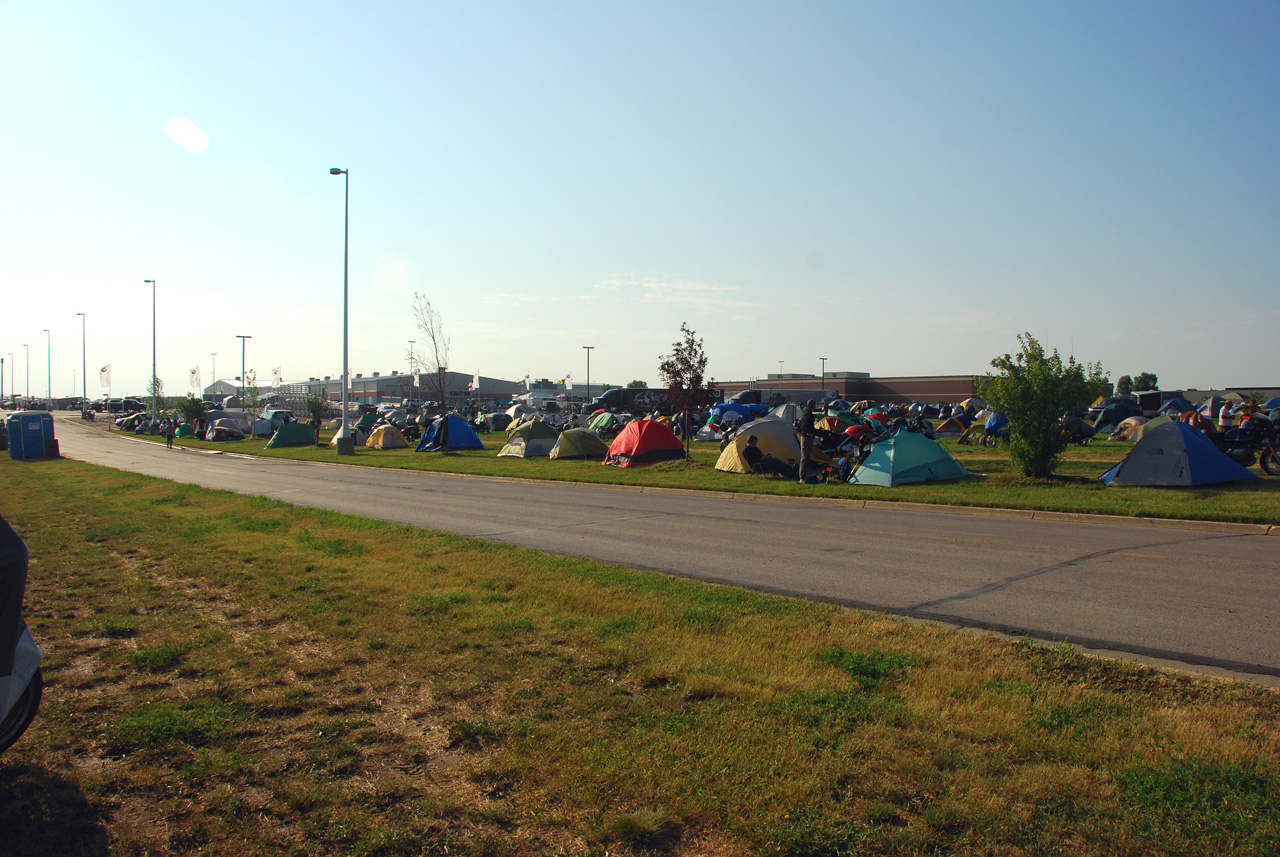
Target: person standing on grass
x=168 y=434
x=1224 y=417
x=807 y=432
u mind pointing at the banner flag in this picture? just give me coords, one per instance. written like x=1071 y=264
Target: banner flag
x=528 y=384
x=276 y=377
x=193 y=378
x=475 y=383
x=568 y=381
x=104 y=375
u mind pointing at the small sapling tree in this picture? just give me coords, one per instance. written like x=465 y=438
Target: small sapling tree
x=1033 y=389
x=683 y=371
x=437 y=354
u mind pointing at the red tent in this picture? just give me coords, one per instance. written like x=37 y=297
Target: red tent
x=644 y=442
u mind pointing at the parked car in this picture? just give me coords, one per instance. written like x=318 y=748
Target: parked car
x=277 y=416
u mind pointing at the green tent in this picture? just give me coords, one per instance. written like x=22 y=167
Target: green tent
x=603 y=422
x=579 y=443
x=532 y=439
x=185 y=430
x=367 y=421
x=904 y=458
x=293 y=434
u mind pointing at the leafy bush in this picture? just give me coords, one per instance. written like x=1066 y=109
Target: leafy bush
x=1033 y=389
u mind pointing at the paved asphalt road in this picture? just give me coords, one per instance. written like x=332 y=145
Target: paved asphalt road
x=1206 y=598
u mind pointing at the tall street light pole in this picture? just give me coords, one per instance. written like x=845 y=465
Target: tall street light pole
x=824 y=369
x=345 y=444
x=213 y=370
x=27 y=397
x=48 y=390
x=242 y=339
x=84 y=366
x=588 y=349
x=155 y=404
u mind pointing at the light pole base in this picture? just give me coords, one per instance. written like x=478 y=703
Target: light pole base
x=346 y=446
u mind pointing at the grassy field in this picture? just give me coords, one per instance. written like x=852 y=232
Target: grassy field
x=229 y=675
x=996 y=483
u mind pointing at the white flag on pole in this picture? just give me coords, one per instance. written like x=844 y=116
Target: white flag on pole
x=475 y=382
x=528 y=384
x=104 y=375
x=194 y=378
x=568 y=381
x=276 y=377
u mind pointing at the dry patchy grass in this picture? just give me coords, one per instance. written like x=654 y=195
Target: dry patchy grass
x=229 y=675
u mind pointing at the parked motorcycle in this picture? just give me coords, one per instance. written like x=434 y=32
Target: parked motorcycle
x=21 y=683
x=1255 y=439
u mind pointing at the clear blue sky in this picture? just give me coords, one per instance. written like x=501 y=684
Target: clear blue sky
x=900 y=187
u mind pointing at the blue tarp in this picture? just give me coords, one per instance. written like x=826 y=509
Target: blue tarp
x=461 y=436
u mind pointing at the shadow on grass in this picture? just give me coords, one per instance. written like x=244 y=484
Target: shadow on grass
x=43 y=815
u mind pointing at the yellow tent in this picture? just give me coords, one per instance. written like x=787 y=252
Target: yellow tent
x=386 y=437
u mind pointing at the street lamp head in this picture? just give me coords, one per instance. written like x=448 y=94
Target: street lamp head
x=336 y=172
x=149 y=281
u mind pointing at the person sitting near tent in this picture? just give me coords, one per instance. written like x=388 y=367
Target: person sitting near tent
x=762 y=462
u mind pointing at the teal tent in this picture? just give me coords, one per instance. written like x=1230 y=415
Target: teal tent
x=904 y=458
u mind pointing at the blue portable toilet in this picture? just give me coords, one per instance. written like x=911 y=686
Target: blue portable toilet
x=31 y=434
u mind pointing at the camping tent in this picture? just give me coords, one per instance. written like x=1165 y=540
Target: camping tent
x=788 y=413
x=579 y=443
x=1138 y=433
x=461 y=435
x=1210 y=407
x=184 y=430
x=493 y=422
x=1175 y=454
x=1173 y=407
x=954 y=425
x=1124 y=431
x=224 y=429
x=531 y=439
x=644 y=442
x=773 y=436
x=367 y=421
x=520 y=410
x=973 y=404
x=1271 y=404
x=604 y=422
x=386 y=437
x=904 y=458
x=292 y=434
x=358 y=434
x=711 y=432
x=1114 y=414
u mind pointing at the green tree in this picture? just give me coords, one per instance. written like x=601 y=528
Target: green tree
x=1124 y=385
x=1033 y=389
x=1146 y=381
x=636 y=384
x=190 y=408
x=683 y=371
